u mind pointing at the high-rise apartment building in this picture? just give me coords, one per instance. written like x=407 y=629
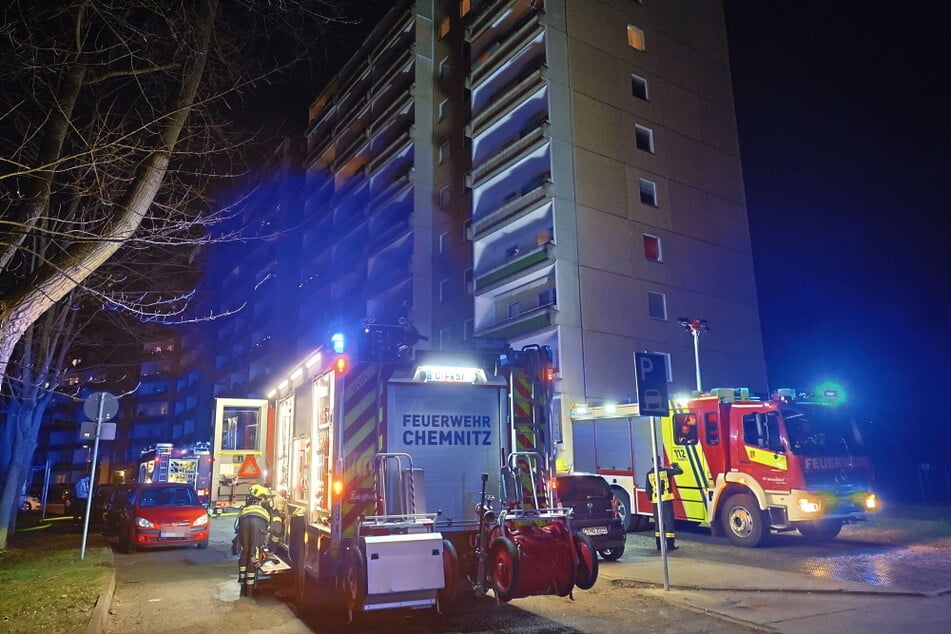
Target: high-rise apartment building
x=562 y=172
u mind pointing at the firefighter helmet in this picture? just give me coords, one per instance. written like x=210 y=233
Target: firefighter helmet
x=259 y=491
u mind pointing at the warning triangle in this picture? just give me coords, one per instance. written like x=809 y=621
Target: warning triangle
x=249 y=468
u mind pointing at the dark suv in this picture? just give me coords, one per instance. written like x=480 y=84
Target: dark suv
x=593 y=511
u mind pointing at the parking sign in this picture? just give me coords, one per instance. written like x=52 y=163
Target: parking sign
x=650 y=378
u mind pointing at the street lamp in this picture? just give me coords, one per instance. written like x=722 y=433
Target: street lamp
x=694 y=326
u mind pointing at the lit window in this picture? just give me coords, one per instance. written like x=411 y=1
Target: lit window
x=652 y=248
x=444 y=27
x=443 y=109
x=444 y=152
x=644 y=138
x=639 y=87
x=445 y=195
x=648 y=192
x=635 y=38
x=657 y=305
x=464 y=7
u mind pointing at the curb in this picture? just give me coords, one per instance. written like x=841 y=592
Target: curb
x=640 y=583
x=100 y=612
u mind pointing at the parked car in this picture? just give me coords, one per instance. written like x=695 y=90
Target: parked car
x=159 y=514
x=101 y=499
x=594 y=511
x=117 y=498
x=29 y=503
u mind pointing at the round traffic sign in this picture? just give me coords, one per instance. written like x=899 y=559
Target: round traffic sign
x=110 y=405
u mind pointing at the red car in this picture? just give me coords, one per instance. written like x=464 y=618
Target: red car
x=161 y=514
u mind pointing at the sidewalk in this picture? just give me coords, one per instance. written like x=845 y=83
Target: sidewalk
x=779 y=601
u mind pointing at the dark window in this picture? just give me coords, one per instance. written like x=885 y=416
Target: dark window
x=644 y=138
x=762 y=430
x=657 y=305
x=639 y=87
x=712 y=424
x=580 y=488
x=648 y=192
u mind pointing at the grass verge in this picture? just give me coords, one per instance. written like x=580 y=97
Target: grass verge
x=44 y=586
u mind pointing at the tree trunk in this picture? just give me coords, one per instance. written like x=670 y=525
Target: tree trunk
x=24 y=444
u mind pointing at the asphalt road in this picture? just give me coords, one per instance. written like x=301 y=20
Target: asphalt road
x=188 y=590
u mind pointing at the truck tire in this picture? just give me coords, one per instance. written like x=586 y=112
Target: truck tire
x=586 y=573
x=743 y=522
x=640 y=523
x=820 y=530
x=624 y=508
x=611 y=554
x=450 y=567
x=503 y=568
x=355 y=580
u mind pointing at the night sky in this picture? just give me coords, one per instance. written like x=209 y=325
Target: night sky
x=843 y=115
x=842 y=111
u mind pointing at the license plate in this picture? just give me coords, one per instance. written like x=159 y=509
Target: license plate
x=175 y=531
x=595 y=530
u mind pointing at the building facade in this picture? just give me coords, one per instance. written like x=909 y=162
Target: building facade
x=563 y=172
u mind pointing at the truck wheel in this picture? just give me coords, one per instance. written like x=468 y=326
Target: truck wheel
x=450 y=568
x=624 y=508
x=503 y=568
x=640 y=523
x=355 y=580
x=743 y=521
x=586 y=573
x=611 y=554
x=820 y=530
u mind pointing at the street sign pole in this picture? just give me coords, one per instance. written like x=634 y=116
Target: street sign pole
x=92 y=472
x=650 y=379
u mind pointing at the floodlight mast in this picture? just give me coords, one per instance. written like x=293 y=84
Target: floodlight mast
x=694 y=326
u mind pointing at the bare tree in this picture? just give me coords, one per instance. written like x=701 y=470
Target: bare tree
x=116 y=121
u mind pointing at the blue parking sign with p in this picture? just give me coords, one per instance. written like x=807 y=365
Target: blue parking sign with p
x=650 y=378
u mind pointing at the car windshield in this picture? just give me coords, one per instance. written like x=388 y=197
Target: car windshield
x=820 y=430
x=167 y=496
x=583 y=488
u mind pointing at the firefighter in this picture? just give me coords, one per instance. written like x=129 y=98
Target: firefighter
x=667 y=503
x=252 y=527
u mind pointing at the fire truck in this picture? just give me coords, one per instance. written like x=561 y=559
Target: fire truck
x=791 y=462
x=164 y=463
x=405 y=478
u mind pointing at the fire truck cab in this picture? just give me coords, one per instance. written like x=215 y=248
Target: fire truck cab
x=749 y=465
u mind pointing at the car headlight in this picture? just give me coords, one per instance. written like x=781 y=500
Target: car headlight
x=141 y=522
x=201 y=521
x=871 y=502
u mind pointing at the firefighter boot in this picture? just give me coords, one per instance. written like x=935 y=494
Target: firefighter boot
x=241 y=578
x=670 y=544
x=657 y=542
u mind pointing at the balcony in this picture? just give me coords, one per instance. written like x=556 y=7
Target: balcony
x=401 y=105
x=402 y=24
x=398 y=145
x=392 y=191
x=532 y=32
x=487 y=17
x=519 y=265
x=351 y=150
x=512 y=210
x=360 y=107
x=401 y=64
x=508 y=98
x=509 y=154
x=534 y=320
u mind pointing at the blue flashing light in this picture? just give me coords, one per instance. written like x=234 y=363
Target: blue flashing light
x=337 y=341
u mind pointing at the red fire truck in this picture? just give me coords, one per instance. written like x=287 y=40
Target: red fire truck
x=787 y=463
x=405 y=478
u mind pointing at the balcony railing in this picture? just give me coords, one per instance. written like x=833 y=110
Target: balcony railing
x=521 y=39
x=519 y=265
x=511 y=210
x=399 y=144
x=507 y=99
x=507 y=154
x=533 y=320
x=486 y=17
